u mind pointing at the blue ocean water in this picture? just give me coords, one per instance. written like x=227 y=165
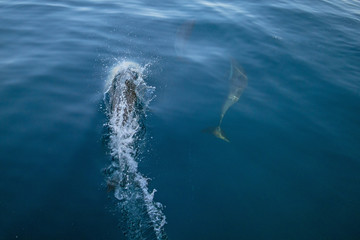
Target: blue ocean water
x=290 y=171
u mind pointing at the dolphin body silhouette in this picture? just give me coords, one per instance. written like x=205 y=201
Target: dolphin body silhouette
x=238 y=82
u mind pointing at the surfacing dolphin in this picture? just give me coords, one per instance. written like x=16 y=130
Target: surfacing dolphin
x=123 y=100
x=238 y=82
x=123 y=88
x=127 y=97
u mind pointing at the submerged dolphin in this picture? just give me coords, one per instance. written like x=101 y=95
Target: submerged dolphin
x=238 y=82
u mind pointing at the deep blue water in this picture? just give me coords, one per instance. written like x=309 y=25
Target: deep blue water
x=290 y=171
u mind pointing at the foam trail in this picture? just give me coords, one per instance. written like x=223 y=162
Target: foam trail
x=127 y=97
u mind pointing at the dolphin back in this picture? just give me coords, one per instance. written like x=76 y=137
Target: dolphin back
x=238 y=82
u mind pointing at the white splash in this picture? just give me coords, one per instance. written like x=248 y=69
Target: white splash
x=125 y=125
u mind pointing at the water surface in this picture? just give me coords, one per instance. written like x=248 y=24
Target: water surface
x=291 y=170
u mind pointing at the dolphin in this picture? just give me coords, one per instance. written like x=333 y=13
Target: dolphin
x=238 y=82
x=123 y=100
x=122 y=88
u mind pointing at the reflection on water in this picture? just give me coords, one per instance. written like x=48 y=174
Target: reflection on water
x=182 y=37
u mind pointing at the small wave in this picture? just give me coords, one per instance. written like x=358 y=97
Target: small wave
x=127 y=97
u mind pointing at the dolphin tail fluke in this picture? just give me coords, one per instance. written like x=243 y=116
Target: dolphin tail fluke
x=217 y=132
